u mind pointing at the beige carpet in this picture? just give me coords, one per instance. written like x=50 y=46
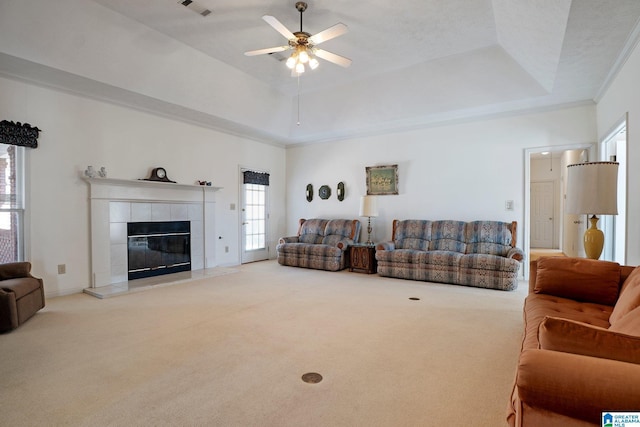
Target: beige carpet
x=231 y=350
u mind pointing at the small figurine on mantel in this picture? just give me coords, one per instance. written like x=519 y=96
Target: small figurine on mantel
x=207 y=183
x=90 y=172
x=102 y=172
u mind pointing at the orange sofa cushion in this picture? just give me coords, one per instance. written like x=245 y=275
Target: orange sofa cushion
x=629 y=323
x=579 y=279
x=569 y=336
x=629 y=297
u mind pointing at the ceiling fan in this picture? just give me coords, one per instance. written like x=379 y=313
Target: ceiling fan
x=304 y=44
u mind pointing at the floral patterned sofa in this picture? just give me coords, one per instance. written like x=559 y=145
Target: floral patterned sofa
x=478 y=253
x=321 y=244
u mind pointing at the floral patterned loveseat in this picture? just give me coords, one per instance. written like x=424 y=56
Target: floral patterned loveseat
x=321 y=244
x=478 y=253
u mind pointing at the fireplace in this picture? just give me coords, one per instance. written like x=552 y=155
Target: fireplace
x=159 y=247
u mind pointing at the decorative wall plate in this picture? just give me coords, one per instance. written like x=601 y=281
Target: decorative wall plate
x=324 y=192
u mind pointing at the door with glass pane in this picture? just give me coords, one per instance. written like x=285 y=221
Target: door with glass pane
x=11 y=203
x=254 y=217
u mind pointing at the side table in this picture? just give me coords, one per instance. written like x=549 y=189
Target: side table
x=362 y=258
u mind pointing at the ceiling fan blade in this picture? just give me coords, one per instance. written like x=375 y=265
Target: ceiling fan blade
x=279 y=27
x=328 y=34
x=267 y=50
x=332 y=57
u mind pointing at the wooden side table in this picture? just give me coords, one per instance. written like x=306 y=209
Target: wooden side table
x=362 y=258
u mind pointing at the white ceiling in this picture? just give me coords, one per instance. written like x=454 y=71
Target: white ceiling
x=415 y=63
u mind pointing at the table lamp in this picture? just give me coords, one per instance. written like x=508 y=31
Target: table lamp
x=369 y=208
x=592 y=189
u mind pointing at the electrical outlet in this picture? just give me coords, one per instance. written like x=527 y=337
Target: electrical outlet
x=62 y=268
x=508 y=205
x=232 y=206
x=226 y=249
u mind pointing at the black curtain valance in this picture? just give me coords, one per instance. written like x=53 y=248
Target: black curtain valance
x=20 y=134
x=253 y=177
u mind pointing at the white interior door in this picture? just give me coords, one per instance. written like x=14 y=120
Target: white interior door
x=254 y=217
x=542 y=214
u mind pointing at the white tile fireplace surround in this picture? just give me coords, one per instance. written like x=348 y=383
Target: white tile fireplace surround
x=115 y=202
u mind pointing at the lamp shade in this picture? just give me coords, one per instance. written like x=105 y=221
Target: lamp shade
x=592 y=188
x=369 y=206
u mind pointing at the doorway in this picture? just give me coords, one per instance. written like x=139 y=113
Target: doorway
x=543 y=199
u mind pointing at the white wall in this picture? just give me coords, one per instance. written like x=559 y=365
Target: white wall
x=465 y=171
x=623 y=96
x=77 y=132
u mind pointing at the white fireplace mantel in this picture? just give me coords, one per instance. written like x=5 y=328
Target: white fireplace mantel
x=115 y=202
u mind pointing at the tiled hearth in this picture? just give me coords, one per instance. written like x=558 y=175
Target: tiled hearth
x=116 y=202
x=157 y=281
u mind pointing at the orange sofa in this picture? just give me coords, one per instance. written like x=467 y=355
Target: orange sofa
x=581 y=344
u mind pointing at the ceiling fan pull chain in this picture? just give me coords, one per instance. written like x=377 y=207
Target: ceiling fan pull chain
x=298 y=100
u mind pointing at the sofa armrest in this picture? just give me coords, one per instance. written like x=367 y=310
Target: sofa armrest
x=576 y=386
x=8 y=311
x=344 y=244
x=516 y=253
x=290 y=239
x=385 y=246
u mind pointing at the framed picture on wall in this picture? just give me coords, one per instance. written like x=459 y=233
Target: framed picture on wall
x=382 y=180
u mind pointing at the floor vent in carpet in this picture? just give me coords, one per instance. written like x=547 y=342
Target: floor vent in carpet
x=312 y=378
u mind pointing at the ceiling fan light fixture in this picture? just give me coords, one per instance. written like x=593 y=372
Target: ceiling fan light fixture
x=303 y=56
x=303 y=44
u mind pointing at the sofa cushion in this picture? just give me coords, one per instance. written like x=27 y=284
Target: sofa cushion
x=404 y=256
x=12 y=270
x=489 y=262
x=312 y=231
x=21 y=286
x=579 y=279
x=341 y=230
x=443 y=258
x=569 y=336
x=448 y=236
x=539 y=306
x=629 y=297
x=629 y=323
x=488 y=237
x=323 y=251
x=412 y=234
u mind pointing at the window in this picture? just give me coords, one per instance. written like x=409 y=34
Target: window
x=11 y=203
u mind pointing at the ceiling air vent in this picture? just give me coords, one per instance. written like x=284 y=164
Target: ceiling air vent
x=195 y=6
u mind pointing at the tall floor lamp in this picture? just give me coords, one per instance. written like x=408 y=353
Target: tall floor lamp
x=369 y=208
x=592 y=189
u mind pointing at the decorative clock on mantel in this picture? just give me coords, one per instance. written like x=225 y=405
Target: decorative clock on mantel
x=159 y=174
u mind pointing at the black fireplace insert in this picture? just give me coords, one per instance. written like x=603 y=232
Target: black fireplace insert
x=156 y=248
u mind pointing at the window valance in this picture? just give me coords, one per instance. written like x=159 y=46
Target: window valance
x=20 y=134
x=253 y=177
